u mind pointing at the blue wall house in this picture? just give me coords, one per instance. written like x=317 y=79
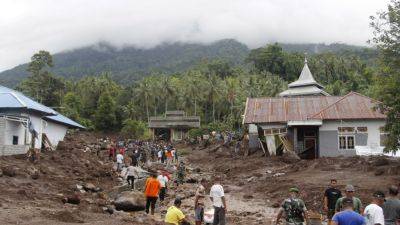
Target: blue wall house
x=19 y=115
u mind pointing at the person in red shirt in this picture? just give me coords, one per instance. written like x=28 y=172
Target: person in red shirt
x=111 y=152
x=151 y=191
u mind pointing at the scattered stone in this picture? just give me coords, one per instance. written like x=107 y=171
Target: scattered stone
x=251 y=179
x=9 y=171
x=379 y=171
x=381 y=162
x=74 y=199
x=1 y=172
x=248 y=196
x=109 y=209
x=130 y=201
x=278 y=174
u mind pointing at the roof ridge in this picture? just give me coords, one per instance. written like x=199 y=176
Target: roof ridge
x=341 y=99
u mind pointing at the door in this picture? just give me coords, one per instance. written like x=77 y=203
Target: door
x=310 y=147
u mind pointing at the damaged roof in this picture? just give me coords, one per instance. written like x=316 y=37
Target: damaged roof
x=11 y=99
x=282 y=110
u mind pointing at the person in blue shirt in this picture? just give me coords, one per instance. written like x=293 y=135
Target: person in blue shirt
x=348 y=216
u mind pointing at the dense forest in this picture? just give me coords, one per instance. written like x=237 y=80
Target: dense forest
x=216 y=89
x=128 y=64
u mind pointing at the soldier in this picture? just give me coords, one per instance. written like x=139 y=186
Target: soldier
x=181 y=173
x=294 y=209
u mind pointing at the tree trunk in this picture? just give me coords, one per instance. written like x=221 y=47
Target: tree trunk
x=155 y=106
x=195 y=107
x=166 y=105
x=213 y=110
x=147 y=109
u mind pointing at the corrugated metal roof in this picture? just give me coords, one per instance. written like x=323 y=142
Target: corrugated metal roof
x=281 y=110
x=64 y=120
x=12 y=99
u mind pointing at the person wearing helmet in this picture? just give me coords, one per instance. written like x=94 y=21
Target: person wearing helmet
x=293 y=208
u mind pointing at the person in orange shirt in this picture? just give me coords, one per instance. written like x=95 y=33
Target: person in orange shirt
x=151 y=190
x=169 y=157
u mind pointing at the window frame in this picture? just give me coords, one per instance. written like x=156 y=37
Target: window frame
x=346 y=136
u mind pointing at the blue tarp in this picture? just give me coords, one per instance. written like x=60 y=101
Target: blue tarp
x=11 y=99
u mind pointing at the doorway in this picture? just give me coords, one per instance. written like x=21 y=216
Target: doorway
x=162 y=134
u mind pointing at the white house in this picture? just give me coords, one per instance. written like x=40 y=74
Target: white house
x=306 y=119
x=19 y=113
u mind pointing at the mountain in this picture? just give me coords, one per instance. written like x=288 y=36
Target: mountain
x=128 y=63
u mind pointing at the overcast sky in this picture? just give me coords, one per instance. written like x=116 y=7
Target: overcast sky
x=59 y=25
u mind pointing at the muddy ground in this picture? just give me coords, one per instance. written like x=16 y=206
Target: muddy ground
x=255 y=185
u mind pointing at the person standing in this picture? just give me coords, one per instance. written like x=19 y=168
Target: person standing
x=217 y=197
x=349 y=194
x=163 y=179
x=174 y=215
x=199 y=202
x=120 y=161
x=181 y=172
x=294 y=209
x=347 y=216
x=373 y=213
x=391 y=207
x=332 y=194
x=131 y=174
x=151 y=191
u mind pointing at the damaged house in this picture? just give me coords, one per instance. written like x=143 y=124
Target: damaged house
x=21 y=118
x=307 y=120
x=174 y=126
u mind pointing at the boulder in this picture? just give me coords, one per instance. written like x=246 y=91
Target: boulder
x=130 y=201
x=91 y=187
x=381 y=162
x=379 y=171
x=10 y=171
x=1 y=172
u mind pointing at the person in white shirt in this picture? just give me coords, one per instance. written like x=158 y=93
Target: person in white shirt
x=373 y=213
x=163 y=179
x=120 y=161
x=217 y=197
x=131 y=174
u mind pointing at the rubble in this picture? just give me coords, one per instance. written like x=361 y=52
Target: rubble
x=130 y=201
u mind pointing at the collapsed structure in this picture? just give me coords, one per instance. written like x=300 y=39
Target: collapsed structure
x=307 y=120
x=174 y=126
x=23 y=121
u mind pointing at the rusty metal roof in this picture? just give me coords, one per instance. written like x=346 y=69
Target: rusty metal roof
x=281 y=110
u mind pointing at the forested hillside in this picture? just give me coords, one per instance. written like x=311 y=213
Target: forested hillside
x=127 y=64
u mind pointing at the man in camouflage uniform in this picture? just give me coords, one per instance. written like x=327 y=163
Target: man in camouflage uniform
x=294 y=209
x=181 y=173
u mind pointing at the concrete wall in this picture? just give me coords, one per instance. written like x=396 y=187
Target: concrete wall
x=13 y=128
x=54 y=131
x=13 y=149
x=328 y=136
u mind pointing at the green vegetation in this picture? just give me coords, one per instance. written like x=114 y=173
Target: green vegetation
x=387 y=31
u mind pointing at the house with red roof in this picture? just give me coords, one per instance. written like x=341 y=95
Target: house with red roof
x=307 y=120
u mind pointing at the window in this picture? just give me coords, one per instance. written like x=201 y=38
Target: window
x=383 y=136
x=275 y=131
x=362 y=130
x=346 y=129
x=15 y=140
x=346 y=142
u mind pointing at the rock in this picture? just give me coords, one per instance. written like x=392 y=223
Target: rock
x=251 y=179
x=90 y=187
x=35 y=176
x=10 y=171
x=109 y=209
x=276 y=205
x=73 y=199
x=381 y=162
x=1 y=172
x=130 y=201
x=379 y=171
x=191 y=180
x=290 y=157
x=248 y=196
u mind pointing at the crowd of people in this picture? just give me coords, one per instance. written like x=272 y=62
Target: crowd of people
x=340 y=209
x=345 y=209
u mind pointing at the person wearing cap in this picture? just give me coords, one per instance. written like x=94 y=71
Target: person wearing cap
x=347 y=216
x=349 y=194
x=373 y=213
x=294 y=209
x=332 y=194
x=174 y=215
x=391 y=207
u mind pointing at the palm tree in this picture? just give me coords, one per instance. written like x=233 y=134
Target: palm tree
x=213 y=91
x=143 y=91
x=231 y=88
x=167 y=89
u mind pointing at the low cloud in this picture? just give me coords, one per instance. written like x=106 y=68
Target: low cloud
x=29 y=26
